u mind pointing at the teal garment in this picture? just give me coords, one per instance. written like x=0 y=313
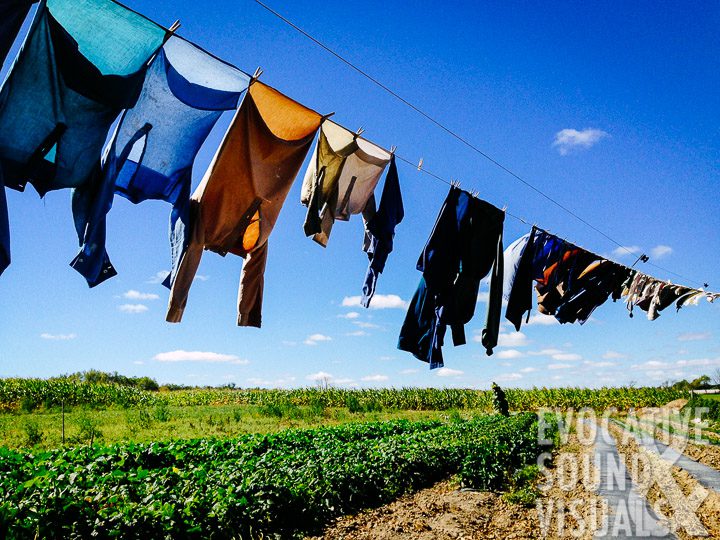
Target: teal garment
x=153 y=148
x=12 y=15
x=82 y=63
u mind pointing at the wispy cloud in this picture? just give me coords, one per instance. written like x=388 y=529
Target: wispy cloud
x=559 y=366
x=540 y=319
x=599 y=364
x=199 y=356
x=357 y=333
x=273 y=383
x=507 y=377
x=314 y=339
x=626 y=251
x=694 y=336
x=201 y=277
x=58 y=337
x=510 y=354
x=321 y=376
x=159 y=277
x=448 y=372
x=545 y=352
x=133 y=308
x=660 y=251
x=567 y=140
x=409 y=371
x=363 y=324
x=613 y=355
x=528 y=370
x=349 y=315
x=566 y=357
x=137 y=295
x=379 y=301
x=375 y=378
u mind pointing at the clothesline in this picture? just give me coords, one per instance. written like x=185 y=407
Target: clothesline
x=461 y=139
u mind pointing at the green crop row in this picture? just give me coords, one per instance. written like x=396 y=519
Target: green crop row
x=282 y=485
x=32 y=393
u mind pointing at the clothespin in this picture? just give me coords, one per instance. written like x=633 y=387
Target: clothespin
x=256 y=75
x=174 y=26
x=420 y=164
x=325 y=117
x=359 y=132
x=392 y=149
x=504 y=208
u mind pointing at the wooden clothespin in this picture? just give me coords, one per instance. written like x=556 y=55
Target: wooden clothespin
x=359 y=132
x=420 y=164
x=325 y=117
x=256 y=75
x=174 y=26
x=392 y=149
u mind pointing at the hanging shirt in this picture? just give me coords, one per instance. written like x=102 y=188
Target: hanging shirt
x=380 y=230
x=559 y=280
x=340 y=179
x=12 y=15
x=66 y=87
x=153 y=148
x=465 y=244
x=236 y=205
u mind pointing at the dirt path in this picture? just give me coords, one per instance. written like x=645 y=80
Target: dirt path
x=568 y=509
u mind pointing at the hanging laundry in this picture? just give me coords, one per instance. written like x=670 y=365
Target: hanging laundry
x=592 y=287
x=465 y=244
x=518 y=278
x=236 y=205
x=559 y=279
x=12 y=15
x=70 y=81
x=152 y=151
x=340 y=179
x=380 y=230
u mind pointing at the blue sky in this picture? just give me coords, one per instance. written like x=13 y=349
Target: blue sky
x=632 y=92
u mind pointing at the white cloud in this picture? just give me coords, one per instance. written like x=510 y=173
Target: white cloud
x=314 y=339
x=566 y=357
x=625 y=251
x=483 y=297
x=567 y=139
x=139 y=363
x=447 y=372
x=375 y=378
x=698 y=362
x=507 y=377
x=357 y=333
x=137 y=295
x=58 y=337
x=652 y=364
x=560 y=366
x=345 y=381
x=159 y=277
x=201 y=277
x=510 y=353
x=613 y=355
x=321 y=376
x=349 y=315
x=694 y=336
x=541 y=319
x=133 y=308
x=409 y=371
x=363 y=324
x=660 y=251
x=276 y=383
x=379 y=301
x=513 y=339
x=199 y=356
x=528 y=370
x=599 y=364
x=545 y=352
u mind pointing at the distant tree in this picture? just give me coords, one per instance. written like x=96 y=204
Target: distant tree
x=701 y=382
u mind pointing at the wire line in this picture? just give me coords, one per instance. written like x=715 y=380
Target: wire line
x=456 y=136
